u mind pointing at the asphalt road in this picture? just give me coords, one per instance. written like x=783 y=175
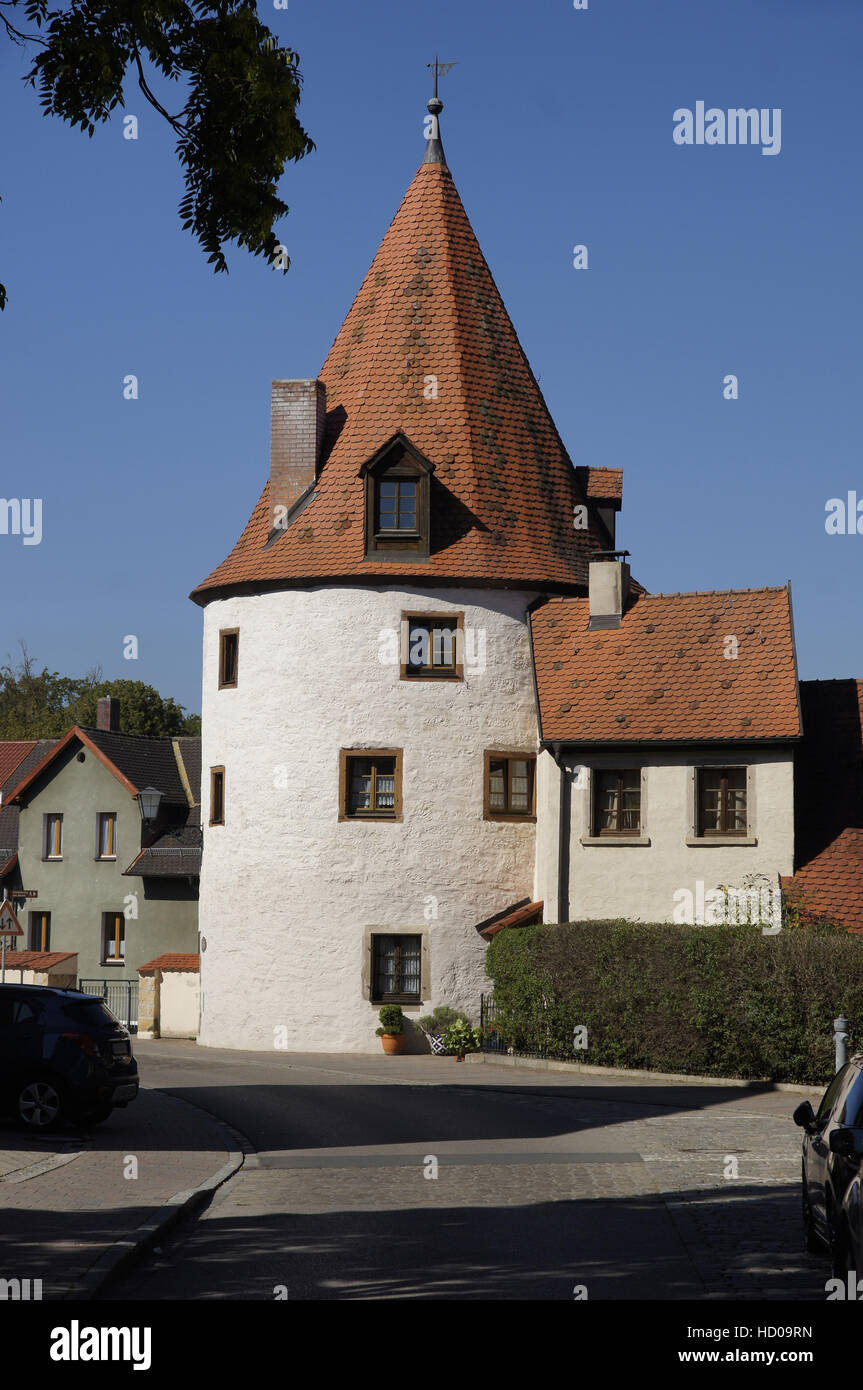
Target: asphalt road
x=379 y=1177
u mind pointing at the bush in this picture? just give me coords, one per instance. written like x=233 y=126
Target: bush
x=392 y=1020
x=439 y=1019
x=460 y=1037
x=712 y=1000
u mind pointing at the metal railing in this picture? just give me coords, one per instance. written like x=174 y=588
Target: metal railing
x=121 y=996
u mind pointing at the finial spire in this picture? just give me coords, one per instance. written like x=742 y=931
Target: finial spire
x=434 y=148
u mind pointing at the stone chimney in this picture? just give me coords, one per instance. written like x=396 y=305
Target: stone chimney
x=296 y=432
x=608 y=588
x=108 y=713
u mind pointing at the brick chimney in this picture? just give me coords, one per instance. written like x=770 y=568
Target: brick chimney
x=108 y=713
x=296 y=432
x=608 y=589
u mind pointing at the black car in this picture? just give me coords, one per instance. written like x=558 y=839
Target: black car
x=63 y=1056
x=832 y=1155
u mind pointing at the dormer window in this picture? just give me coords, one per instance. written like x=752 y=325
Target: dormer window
x=397 y=502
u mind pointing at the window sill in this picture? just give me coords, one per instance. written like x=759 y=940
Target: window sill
x=516 y=819
x=106 y=965
x=362 y=817
x=614 y=840
x=105 y=859
x=52 y=859
x=706 y=841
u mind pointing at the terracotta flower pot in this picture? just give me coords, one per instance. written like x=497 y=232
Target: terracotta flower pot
x=393 y=1042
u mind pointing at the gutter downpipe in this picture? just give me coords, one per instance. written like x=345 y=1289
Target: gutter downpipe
x=562 y=836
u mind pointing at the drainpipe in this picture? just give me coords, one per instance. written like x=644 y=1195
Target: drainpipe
x=562 y=836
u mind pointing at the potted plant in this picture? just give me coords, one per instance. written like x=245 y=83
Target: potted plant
x=435 y=1024
x=461 y=1037
x=392 y=1029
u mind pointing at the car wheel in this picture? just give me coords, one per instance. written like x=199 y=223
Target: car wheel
x=812 y=1241
x=39 y=1105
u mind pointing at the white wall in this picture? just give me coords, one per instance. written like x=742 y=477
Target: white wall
x=616 y=879
x=179 y=1003
x=288 y=892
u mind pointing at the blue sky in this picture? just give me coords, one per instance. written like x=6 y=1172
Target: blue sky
x=703 y=261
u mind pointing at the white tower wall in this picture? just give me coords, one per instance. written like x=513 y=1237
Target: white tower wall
x=289 y=893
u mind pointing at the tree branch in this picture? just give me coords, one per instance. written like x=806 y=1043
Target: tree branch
x=152 y=99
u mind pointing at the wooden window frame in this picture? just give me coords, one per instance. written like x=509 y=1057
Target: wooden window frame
x=44 y=929
x=722 y=772
x=398 y=460
x=214 y=773
x=224 y=633
x=117 y=917
x=100 y=817
x=497 y=755
x=345 y=756
x=619 y=772
x=431 y=673
x=55 y=816
x=398 y=996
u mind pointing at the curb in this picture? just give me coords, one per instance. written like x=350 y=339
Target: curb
x=547 y=1064
x=125 y=1251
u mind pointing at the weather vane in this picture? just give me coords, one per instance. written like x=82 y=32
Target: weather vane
x=440 y=70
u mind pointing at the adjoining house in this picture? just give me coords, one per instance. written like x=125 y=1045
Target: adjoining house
x=435 y=705
x=104 y=847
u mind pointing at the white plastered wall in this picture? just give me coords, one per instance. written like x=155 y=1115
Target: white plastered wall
x=289 y=893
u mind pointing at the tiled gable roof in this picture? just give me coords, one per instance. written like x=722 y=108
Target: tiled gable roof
x=831 y=884
x=602 y=485
x=173 y=960
x=504 y=489
x=663 y=676
x=12 y=754
x=828 y=803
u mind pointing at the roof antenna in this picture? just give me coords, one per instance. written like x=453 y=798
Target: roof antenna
x=434 y=149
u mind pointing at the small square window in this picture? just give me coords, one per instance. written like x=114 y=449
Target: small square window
x=432 y=646
x=509 y=786
x=396 y=969
x=370 y=784
x=721 y=801
x=617 y=802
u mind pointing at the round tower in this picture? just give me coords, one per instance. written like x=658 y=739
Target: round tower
x=369 y=720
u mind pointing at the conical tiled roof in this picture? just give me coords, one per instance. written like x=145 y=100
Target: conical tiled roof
x=504 y=488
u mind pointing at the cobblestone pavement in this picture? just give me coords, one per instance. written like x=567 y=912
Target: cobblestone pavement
x=544 y=1185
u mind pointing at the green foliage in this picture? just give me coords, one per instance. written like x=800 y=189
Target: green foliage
x=711 y=1000
x=43 y=704
x=460 y=1037
x=439 y=1019
x=392 y=1020
x=238 y=126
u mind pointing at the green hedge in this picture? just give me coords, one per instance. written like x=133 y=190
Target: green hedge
x=709 y=1000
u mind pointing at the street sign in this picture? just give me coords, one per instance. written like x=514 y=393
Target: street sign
x=9 y=924
x=23 y=892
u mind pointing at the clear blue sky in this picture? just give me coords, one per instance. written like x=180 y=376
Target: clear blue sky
x=558 y=126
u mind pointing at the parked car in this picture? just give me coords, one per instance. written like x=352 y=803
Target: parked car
x=63 y=1056
x=832 y=1155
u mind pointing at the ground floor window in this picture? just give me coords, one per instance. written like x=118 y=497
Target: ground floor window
x=396 y=969
x=721 y=800
x=40 y=931
x=617 y=802
x=113 y=938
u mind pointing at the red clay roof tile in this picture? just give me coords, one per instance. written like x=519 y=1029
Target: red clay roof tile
x=504 y=487
x=663 y=676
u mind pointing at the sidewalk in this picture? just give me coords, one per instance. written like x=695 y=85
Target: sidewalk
x=71 y=1221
